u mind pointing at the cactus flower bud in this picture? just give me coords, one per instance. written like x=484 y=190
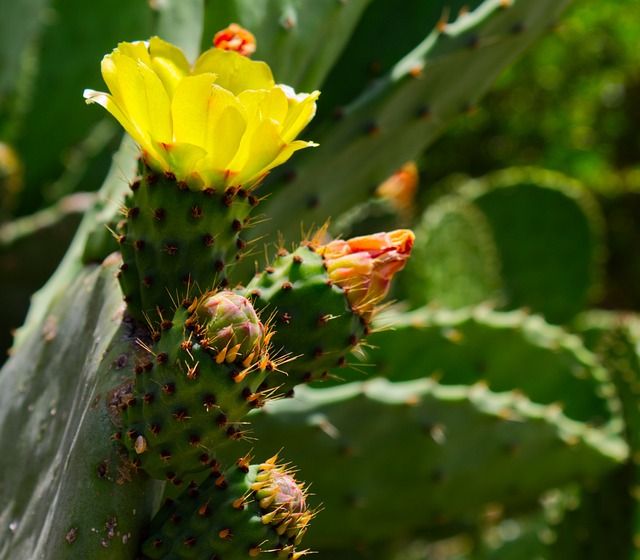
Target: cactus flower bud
x=282 y=500
x=364 y=266
x=230 y=325
x=235 y=38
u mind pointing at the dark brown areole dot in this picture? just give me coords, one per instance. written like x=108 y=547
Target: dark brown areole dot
x=170 y=248
x=159 y=214
x=162 y=357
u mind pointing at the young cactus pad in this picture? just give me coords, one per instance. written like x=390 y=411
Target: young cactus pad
x=322 y=298
x=249 y=511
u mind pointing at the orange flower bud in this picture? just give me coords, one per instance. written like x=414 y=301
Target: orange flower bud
x=364 y=266
x=235 y=38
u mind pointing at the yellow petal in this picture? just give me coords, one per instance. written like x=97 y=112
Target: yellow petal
x=301 y=111
x=235 y=72
x=144 y=99
x=109 y=70
x=288 y=150
x=169 y=63
x=136 y=133
x=265 y=104
x=227 y=134
x=138 y=50
x=207 y=115
x=181 y=157
x=259 y=147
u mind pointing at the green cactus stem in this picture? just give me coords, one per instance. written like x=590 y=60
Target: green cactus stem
x=461 y=448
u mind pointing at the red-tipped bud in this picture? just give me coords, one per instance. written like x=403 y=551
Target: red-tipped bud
x=364 y=266
x=235 y=38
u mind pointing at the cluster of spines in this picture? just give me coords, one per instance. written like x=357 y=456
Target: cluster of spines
x=244 y=512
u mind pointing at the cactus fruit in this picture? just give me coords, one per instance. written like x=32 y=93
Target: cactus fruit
x=247 y=511
x=190 y=395
x=322 y=298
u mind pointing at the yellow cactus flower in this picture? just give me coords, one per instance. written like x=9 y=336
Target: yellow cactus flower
x=223 y=123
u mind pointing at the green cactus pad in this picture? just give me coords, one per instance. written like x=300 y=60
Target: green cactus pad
x=509 y=351
x=548 y=230
x=455 y=262
x=249 y=511
x=389 y=459
x=610 y=511
x=177 y=243
x=67 y=491
x=185 y=403
x=312 y=319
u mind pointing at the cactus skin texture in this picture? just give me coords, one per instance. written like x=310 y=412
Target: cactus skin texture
x=176 y=243
x=466 y=346
x=248 y=511
x=189 y=396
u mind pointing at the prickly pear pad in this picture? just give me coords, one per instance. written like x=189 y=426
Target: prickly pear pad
x=246 y=512
x=313 y=321
x=186 y=402
x=177 y=242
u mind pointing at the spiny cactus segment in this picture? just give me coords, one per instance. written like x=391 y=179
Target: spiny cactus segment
x=322 y=298
x=460 y=445
x=201 y=378
x=247 y=511
x=176 y=242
